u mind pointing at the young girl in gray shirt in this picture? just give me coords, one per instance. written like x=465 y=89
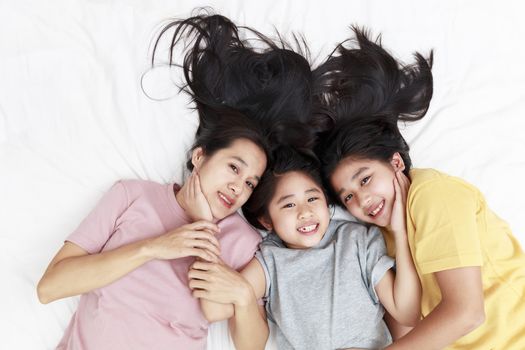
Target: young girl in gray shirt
x=326 y=283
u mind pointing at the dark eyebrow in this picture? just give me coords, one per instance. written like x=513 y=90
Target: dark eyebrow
x=283 y=198
x=313 y=189
x=357 y=173
x=240 y=160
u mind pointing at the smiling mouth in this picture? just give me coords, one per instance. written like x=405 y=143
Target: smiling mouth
x=308 y=230
x=377 y=210
x=226 y=201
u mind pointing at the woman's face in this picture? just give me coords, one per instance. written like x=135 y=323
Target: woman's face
x=298 y=211
x=366 y=188
x=229 y=176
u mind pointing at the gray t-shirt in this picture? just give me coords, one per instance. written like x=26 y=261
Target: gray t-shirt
x=324 y=297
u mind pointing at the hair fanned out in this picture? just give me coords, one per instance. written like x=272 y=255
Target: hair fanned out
x=270 y=84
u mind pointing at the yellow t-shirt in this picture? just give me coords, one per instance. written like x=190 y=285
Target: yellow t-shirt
x=449 y=225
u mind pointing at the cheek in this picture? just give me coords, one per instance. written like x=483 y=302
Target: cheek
x=353 y=209
x=240 y=201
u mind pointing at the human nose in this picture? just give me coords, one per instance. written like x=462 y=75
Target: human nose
x=305 y=212
x=364 y=200
x=236 y=187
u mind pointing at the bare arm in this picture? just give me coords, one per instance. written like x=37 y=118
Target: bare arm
x=397 y=330
x=73 y=271
x=400 y=292
x=249 y=329
x=460 y=311
x=232 y=294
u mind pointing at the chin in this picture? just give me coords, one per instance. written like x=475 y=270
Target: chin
x=218 y=214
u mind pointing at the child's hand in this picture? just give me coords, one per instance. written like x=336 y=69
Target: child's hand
x=198 y=207
x=219 y=283
x=398 y=220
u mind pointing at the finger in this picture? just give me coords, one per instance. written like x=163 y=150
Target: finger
x=397 y=189
x=404 y=184
x=191 y=185
x=202 y=265
x=204 y=225
x=203 y=254
x=198 y=274
x=197 y=284
x=197 y=185
x=405 y=180
x=203 y=236
x=200 y=294
x=203 y=244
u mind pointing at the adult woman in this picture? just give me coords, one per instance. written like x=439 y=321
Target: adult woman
x=144 y=231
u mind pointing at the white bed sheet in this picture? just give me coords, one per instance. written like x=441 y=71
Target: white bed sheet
x=73 y=117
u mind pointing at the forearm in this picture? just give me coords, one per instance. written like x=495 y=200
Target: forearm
x=407 y=288
x=248 y=327
x=80 y=274
x=442 y=327
x=216 y=311
x=397 y=330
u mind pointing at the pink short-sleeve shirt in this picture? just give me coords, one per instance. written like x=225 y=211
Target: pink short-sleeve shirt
x=152 y=306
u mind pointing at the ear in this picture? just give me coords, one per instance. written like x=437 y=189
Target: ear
x=197 y=157
x=266 y=222
x=397 y=162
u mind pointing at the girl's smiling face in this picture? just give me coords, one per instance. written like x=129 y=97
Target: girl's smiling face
x=366 y=187
x=298 y=212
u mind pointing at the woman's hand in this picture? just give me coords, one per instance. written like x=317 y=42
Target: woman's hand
x=196 y=239
x=196 y=206
x=398 y=220
x=219 y=283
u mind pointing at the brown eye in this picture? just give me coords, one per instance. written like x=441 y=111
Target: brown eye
x=234 y=168
x=365 y=180
x=347 y=198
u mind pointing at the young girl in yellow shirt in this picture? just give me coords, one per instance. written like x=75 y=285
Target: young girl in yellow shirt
x=471 y=267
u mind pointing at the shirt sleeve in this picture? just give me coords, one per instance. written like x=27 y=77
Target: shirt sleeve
x=96 y=229
x=443 y=213
x=377 y=260
x=259 y=256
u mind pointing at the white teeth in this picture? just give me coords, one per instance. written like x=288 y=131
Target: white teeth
x=376 y=210
x=308 y=228
x=224 y=198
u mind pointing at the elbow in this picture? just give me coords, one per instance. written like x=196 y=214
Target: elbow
x=215 y=315
x=44 y=293
x=413 y=321
x=470 y=319
x=473 y=319
x=409 y=320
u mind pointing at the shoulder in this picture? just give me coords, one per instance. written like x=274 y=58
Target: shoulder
x=434 y=194
x=132 y=184
x=431 y=182
x=239 y=240
x=138 y=188
x=351 y=229
x=236 y=224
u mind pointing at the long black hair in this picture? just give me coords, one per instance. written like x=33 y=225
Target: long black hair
x=365 y=92
x=270 y=84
